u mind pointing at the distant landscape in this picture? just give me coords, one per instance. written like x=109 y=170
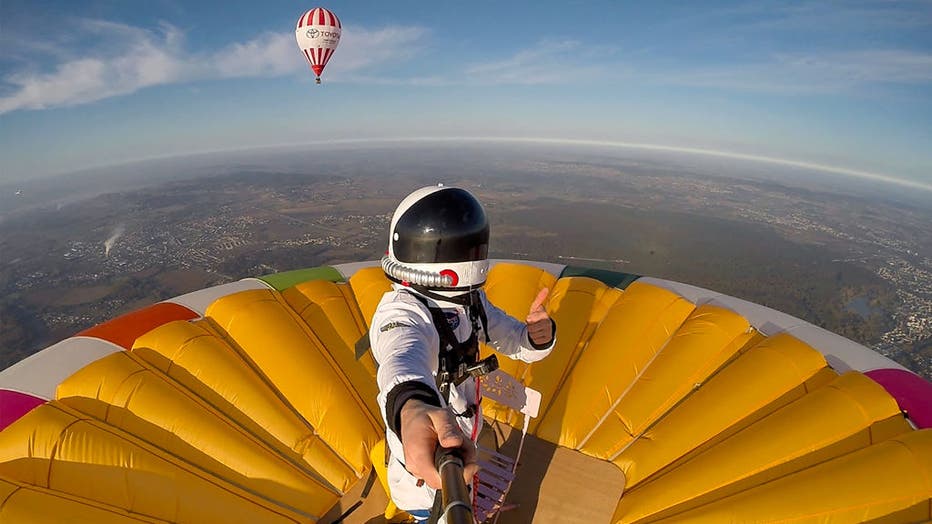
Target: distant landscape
x=857 y=262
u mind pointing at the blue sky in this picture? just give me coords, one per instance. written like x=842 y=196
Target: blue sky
x=840 y=84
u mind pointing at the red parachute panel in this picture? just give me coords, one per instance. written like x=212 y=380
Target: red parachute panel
x=124 y=330
x=912 y=393
x=14 y=404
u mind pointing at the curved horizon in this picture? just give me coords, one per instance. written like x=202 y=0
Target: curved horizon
x=839 y=170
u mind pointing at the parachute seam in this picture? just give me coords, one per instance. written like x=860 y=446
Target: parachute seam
x=278 y=299
x=698 y=381
x=77 y=499
x=184 y=346
x=174 y=385
x=179 y=462
x=685 y=397
x=54 y=452
x=899 y=442
x=578 y=350
x=221 y=333
x=299 y=321
x=624 y=394
x=346 y=289
x=314 y=474
x=171 y=382
x=8 y=497
x=640 y=374
x=512 y=414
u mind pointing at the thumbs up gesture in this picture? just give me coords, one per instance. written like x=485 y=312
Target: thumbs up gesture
x=539 y=325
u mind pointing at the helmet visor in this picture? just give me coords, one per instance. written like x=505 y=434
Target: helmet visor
x=445 y=226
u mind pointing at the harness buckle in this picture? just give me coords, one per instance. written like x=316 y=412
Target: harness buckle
x=483 y=367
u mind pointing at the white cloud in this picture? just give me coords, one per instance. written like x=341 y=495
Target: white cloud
x=556 y=62
x=124 y=59
x=547 y=62
x=146 y=60
x=271 y=54
x=362 y=48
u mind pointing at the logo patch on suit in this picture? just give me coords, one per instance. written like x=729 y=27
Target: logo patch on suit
x=453 y=318
x=392 y=325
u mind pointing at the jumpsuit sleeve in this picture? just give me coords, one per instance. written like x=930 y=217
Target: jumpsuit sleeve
x=509 y=335
x=403 y=343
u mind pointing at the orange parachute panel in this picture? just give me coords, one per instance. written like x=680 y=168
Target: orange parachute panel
x=123 y=330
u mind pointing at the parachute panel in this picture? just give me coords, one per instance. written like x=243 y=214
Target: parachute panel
x=198 y=301
x=633 y=331
x=728 y=402
x=279 y=344
x=15 y=404
x=708 y=338
x=121 y=391
x=841 y=417
x=845 y=489
x=194 y=356
x=124 y=330
x=842 y=354
x=368 y=285
x=288 y=279
x=38 y=375
x=55 y=447
x=330 y=311
x=912 y=393
x=18 y=503
x=512 y=288
x=700 y=413
x=577 y=305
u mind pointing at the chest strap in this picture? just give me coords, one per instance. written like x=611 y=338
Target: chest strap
x=458 y=361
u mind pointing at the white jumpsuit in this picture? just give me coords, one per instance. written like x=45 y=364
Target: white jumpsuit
x=406 y=346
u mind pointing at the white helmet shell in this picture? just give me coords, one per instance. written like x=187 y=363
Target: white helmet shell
x=439 y=239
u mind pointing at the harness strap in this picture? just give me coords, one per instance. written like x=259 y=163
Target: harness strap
x=471 y=301
x=453 y=353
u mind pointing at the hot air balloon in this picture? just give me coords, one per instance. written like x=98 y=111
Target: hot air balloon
x=318 y=35
x=662 y=402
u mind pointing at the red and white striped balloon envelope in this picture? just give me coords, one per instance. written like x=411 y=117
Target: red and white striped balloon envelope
x=318 y=35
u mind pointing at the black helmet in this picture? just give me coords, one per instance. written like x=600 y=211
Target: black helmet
x=439 y=238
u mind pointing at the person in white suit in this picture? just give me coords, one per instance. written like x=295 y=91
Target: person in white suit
x=425 y=337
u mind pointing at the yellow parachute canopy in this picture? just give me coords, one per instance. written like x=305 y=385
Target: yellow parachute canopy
x=661 y=402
